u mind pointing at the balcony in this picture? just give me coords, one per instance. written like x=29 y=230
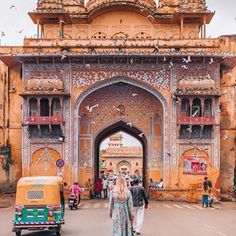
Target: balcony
x=197 y=120
x=44 y=120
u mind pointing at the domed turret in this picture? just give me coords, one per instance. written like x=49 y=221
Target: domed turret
x=92 y=4
x=74 y=6
x=49 y=5
x=190 y=6
x=60 y=5
x=193 y=5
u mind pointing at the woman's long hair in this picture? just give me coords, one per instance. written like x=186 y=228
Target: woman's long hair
x=121 y=187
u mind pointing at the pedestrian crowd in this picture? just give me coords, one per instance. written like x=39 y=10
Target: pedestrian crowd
x=128 y=200
x=105 y=184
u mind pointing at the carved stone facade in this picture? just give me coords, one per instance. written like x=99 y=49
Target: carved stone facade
x=133 y=66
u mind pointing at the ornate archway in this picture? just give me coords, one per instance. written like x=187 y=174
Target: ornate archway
x=142 y=106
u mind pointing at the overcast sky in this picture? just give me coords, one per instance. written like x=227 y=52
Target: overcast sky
x=127 y=141
x=17 y=19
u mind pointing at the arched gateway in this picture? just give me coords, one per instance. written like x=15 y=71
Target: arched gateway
x=133 y=131
x=136 y=62
x=119 y=104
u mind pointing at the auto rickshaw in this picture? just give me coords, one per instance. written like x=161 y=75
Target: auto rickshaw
x=40 y=204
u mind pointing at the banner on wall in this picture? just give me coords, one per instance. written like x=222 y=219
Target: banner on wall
x=195 y=165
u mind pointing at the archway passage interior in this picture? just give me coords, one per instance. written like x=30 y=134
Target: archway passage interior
x=118 y=107
x=113 y=129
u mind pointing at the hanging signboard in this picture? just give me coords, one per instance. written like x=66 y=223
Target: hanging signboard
x=195 y=165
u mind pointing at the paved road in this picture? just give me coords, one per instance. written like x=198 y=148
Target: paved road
x=161 y=219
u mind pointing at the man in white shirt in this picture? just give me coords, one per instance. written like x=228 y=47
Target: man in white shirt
x=104 y=187
x=161 y=184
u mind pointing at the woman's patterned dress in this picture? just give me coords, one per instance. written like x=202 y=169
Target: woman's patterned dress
x=121 y=213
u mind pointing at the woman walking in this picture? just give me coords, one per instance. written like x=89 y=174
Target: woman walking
x=121 y=208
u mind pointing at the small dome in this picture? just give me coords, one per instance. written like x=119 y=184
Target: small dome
x=193 y=5
x=197 y=82
x=47 y=84
x=44 y=5
x=99 y=3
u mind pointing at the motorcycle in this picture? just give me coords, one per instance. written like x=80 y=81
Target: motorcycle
x=73 y=202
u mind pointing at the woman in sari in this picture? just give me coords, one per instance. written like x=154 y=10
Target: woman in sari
x=121 y=208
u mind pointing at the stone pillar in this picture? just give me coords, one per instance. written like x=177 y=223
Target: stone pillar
x=227 y=132
x=38 y=28
x=28 y=106
x=202 y=107
x=42 y=31
x=201 y=27
x=191 y=106
x=181 y=27
x=61 y=28
x=204 y=27
x=50 y=107
x=38 y=107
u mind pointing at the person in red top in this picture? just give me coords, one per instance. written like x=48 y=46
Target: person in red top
x=98 y=188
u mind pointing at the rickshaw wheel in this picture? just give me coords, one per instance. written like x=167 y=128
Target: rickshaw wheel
x=58 y=232
x=18 y=232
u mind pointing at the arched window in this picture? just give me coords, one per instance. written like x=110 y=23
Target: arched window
x=33 y=131
x=185 y=108
x=196 y=131
x=56 y=107
x=156 y=125
x=99 y=35
x=44 y=107
x=81 y=35
x=45 y=131
x=33 y=107
x=208 y=107
x=184 y=132
x=196 y=108
x=207 y=131
x=120 y=35
x=142 y=35
x=84 y=125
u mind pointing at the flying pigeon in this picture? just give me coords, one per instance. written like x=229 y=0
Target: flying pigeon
x=195 y=113
x=19 y=31
x=141 y=135
x=90 y=109
x=184 y=67
x=189 y=129
x=12 y=7
x=134 y=94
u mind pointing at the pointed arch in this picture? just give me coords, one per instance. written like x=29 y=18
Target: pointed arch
x=112 y=81
x=112 y=128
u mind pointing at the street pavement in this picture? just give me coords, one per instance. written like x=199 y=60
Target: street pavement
x=161 y=219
